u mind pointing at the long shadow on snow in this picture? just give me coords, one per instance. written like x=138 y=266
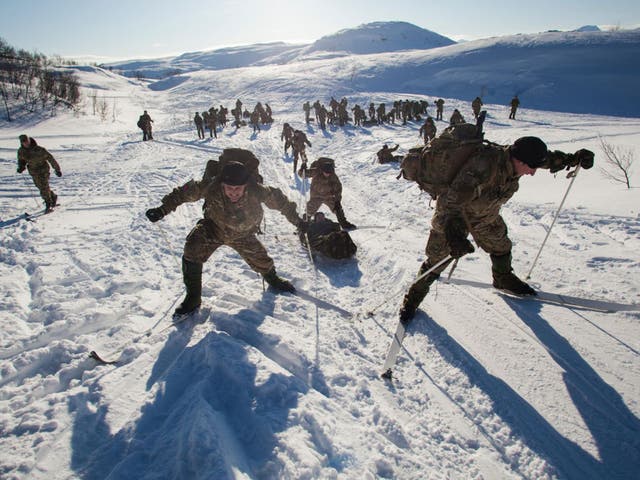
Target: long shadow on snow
x=614 y=428
x=532 y=428
x=209 y=420
x=341 y=273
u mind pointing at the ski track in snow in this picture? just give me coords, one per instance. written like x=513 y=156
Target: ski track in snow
x=259 y=385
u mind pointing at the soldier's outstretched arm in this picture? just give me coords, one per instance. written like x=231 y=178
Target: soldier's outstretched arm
x=274 y=199
x=192 y=191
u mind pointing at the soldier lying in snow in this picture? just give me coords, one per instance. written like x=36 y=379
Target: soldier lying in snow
x=326 y=237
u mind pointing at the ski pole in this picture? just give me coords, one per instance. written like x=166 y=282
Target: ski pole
x=573 y=175
x=169 y=246
x=453 y=267
x=420 y=277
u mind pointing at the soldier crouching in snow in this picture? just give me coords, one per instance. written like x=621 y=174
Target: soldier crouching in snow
x=232 y=216
x=36 y=160
x=472 y=203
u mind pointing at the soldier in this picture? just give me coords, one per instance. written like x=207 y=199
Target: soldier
x=254 y=120
x=238 y=114
x=212 y=123
x=381 y=113
x=456 y=117
x=372 y=112
x=322 y=117
x=326 y=237
x=439 y=108
x=287 y=136
x=471 y=204
x=36 y=160
x=199 y=125
x=385 y=154
x=232 y=216
x=476 y=105
x=428 y=130
x=515 y=103
x=300 y=141
x=325 y=188
x=307 y=112
x=144 y=123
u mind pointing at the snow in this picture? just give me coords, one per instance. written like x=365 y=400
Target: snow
x=261 y=385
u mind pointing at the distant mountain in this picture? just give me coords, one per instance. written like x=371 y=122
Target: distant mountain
x=379 y=37
x=580 y=72
x=588 y=28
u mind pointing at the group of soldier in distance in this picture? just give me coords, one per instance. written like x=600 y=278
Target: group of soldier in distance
x=469 y=189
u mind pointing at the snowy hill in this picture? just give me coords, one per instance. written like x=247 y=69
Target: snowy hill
x=580 y=72
x=265 y=386
x=378 y=37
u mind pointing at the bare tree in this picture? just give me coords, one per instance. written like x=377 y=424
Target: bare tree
x=103 y=109
x=618 y=163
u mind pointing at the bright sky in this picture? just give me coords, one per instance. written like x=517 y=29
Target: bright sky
x=119 y=29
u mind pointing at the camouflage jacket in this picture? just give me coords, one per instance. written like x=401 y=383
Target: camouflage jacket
x=232 y=221
x=485 y=183
x=37 y=159
x=326 y=187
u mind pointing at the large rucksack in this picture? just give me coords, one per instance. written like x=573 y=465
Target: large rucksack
x=246 y=157
x=435 y=165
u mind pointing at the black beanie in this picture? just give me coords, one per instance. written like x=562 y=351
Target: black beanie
x=529 y=150
x=234 y=173
x=327 y=168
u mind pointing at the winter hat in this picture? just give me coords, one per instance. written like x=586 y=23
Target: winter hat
x=327 y=168
x=529 y=150
x=234 y=173
x=22 y=138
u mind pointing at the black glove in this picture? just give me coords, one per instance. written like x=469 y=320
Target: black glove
x=58 y=173
x=585 y=158
x=155 y=214
x=20 y=169
x=303 y=226
x=456 y=234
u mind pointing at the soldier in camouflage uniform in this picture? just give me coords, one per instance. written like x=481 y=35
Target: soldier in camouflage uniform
x=428 y=130
x=197 y=119
x=385 y=154
x=515 y=103
x=439 y=108
x=300 y=141
x=326 y=237
x=476 y=105
x=287 y=136
x=325 y=188
x=36 y=160
x=144 y=123
x=232 y=216
x=472 y=205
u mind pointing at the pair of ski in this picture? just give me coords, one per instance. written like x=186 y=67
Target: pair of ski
x=603 y=306
x=179 y=319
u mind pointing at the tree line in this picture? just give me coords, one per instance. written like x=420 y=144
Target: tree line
x=31 y=82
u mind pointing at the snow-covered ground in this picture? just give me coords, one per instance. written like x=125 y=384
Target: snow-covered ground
x=269 y=386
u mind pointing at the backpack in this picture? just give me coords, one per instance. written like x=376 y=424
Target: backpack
x=435 y=165
x=140 y=123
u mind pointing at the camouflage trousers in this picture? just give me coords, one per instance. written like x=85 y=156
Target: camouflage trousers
x=41 y=180
x=490 y=234
x=315 y=203
x=202 y=241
